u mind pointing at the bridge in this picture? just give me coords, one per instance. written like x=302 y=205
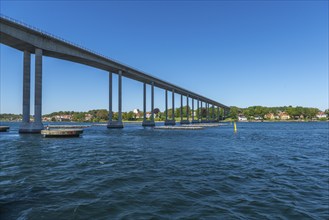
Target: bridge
x=30 y=40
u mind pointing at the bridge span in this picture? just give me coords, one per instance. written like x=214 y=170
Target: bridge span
x=30 y=40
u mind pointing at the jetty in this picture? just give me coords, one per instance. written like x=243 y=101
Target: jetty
x=4 y=128
x=178 y=127
x=201 y=125
x=61 y=133
x=68 y=126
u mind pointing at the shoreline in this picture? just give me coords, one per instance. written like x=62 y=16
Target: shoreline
x=140 y=122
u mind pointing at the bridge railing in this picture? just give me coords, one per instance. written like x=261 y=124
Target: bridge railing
x=47 y=34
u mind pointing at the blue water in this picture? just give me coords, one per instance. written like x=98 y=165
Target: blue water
x=264 y=171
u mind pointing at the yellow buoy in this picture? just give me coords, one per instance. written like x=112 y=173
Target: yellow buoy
x=235 y=129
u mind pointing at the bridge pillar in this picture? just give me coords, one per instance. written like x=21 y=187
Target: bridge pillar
x=25 y=125
x=226 y=113
x=166 y=104
x=193 y=112
x=206 y=120
x=217 y=114
x=172 y=121
x=192 y=109
x=213 y=113
x=152 y=101
x=36 y=126
x=145 y=121
x=118 y=123
x=144 y=102
x=110 y=98
x=187 y=112
x=198 y=112
x=173 y=105
x=201 y=112
x=207 y=110
x=187 y=108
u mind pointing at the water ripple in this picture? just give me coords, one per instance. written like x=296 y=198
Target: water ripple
x=265 y=171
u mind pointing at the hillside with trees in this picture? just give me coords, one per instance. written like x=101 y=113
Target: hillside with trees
x=261 y=111
x=250 y=113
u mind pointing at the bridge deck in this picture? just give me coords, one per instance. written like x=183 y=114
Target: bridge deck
x=23 y=37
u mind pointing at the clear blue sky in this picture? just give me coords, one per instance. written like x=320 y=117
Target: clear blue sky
x=240 y=53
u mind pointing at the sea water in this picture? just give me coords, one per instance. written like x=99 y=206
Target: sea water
x=264 y=171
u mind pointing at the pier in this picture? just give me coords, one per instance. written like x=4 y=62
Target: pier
x=4 y=128
x=61 y=133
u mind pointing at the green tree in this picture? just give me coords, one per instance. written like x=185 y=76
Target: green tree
x=311 y=112
x=78 y=116
x=177 y=112
x=234 y=112
x=130 y=116
x=102 y=115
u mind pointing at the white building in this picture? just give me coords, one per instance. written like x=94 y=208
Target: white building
x=242 y=118
x=321 y=115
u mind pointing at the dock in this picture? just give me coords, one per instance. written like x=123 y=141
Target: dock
x=69 y=126
x=178 y=127
x=201 y=125
x=61 y=133
x=4 y=128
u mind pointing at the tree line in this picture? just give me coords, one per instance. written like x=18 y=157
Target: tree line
x=261 y=111
x=102 y=115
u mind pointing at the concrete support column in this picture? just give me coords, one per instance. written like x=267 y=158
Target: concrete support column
x=201 y=113
x=181 y=107
x=226 y=112
x=144 y=102
x=110 y=98
x=207 y=112
x=213 y=113
x=192 y=109
x=198 y=112
x=26 y=86
x=152 y=101
x=172 y=121
x=120 y=96
x=118 y=123
x=25 y=125
x=217 y=113
x=187 y=112
x=173 y=105
x=37 y=125
x=166 y=105
x=148 y=122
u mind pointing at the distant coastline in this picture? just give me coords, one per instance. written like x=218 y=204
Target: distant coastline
x=250 y=114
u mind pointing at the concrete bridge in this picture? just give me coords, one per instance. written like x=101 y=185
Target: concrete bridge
x=30 y=40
